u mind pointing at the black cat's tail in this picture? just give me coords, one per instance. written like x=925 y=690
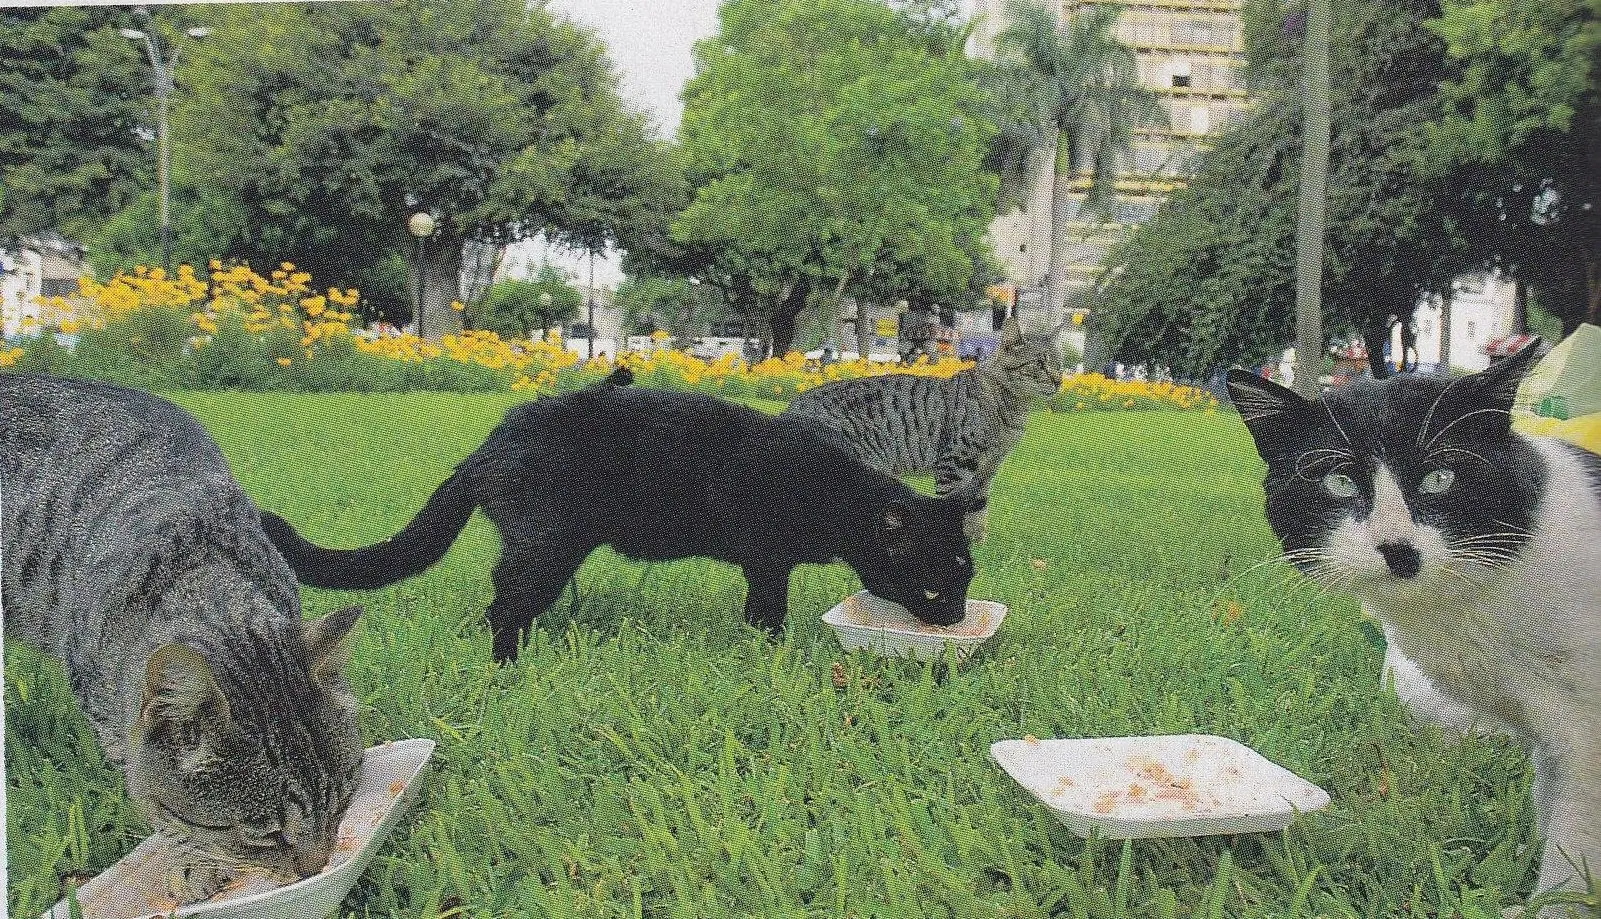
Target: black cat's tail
x=422 y=543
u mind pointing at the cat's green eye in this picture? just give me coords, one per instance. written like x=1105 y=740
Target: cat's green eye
x=1340 y=485
x=1437 y=482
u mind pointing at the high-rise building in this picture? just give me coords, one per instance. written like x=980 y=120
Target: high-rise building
x=1189 y=53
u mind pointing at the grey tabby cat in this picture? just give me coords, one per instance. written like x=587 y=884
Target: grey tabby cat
x=959 y=429
x=129 y=551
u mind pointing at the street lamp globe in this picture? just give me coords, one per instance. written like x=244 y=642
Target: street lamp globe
x=421 y=224
x=131 y=34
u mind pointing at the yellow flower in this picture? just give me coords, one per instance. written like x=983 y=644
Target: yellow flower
x=69 y=326
x=457 y=305
x=284 y=362
x=214 y=264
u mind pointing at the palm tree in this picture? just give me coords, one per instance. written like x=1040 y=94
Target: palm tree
x=1070 y=91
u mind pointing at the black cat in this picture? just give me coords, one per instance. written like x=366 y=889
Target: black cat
x=661 y=475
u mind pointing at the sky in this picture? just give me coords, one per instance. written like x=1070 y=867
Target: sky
x=650 y=43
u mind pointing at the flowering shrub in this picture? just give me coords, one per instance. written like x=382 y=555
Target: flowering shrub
x=235 y=328
x=1091 y=391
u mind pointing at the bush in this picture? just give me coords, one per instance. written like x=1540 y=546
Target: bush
x=241 y=330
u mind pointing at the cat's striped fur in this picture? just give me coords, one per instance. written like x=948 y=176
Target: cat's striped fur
x=958 y=429
x=129 y=551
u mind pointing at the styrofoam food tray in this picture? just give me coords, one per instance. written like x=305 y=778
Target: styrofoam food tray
x=1143 y=787
x=863 y=620
x=133 y=887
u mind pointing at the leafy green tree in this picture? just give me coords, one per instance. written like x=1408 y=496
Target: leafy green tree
x=323 y=126
x=1077 y=89
x=1211 y=280
x=1521 y=136
x=651 y=302
x=826 y=143
x=73 y=92
x=513 y=308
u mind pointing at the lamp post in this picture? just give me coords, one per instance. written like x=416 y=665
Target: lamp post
x=163 y=67
x=589 y=294
x=421 y=225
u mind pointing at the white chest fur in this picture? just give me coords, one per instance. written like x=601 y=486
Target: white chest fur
x=1521 y=643
x=1522 y=647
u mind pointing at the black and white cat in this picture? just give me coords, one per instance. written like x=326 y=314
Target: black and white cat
x=1478 y=548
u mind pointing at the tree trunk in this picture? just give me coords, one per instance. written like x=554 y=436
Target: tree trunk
x=1056 y=273
x=1445 y=331
x=1313 y=202
x=441 y=284
x=1520 y=307
x=784 y=314
x=864 y=334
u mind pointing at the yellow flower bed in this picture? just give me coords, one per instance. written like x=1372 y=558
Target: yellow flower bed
x=1091 y=391
x=303 y=325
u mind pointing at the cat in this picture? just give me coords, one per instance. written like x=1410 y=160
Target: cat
x=959 y=429
x=128 y=550
x=661 y=475
x=1479 y=550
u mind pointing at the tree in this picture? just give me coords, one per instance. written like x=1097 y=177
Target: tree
x=513 y=308
x=1210 y=280
x=325 y=125
x=72 y=95
x=651 y=302
x=826 y=143
x=1079 y=89
x=1521 y=134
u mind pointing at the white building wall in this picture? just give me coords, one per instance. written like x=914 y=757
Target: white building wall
x=21 y=282
x=1483 y=308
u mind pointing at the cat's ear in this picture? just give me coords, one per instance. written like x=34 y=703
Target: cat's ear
x=326 y=646
x=1011 y=332
x=1497 y=387
x=1256 y=398
x=181 y=690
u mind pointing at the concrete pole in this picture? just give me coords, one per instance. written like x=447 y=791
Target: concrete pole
x=1313 y=200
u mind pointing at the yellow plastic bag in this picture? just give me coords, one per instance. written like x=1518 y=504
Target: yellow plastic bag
x=1561 y=396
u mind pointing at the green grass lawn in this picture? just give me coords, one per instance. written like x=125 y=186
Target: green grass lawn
x=651 y=755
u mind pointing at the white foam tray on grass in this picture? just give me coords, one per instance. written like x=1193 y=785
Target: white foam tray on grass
x=864 y=621
x=133 y=888
x=1147 y=787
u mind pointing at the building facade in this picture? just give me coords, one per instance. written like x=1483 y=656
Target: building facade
x=1190 y=53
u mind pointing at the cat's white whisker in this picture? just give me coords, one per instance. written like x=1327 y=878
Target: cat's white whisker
x=1447 y=451
x=1429 y=417
x=1328 y=408
x=1461 y=418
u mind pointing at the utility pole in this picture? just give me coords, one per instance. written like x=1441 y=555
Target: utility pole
x=1313 y=200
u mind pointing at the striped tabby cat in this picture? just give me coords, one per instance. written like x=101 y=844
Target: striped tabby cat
x=132 y=554
x=958 y=429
